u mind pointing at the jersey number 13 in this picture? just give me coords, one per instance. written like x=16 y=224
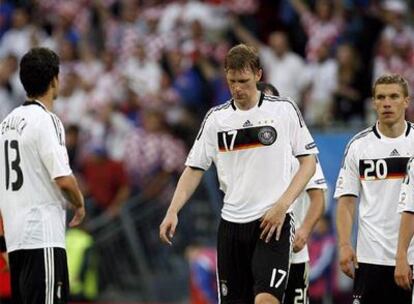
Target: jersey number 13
x=13 y=165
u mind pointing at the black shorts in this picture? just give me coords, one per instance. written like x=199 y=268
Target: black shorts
x=39 y=276
x=247 y=265
x=375 y=284
x=298 y=283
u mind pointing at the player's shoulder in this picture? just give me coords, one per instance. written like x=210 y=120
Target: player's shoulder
x=363 y=135
x=221 y=109
x=282 y=104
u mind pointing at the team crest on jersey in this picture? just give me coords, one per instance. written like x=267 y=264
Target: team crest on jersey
x=357 y=300
x=267 y=135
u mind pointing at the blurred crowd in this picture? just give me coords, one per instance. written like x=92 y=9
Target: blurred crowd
x=137 y=76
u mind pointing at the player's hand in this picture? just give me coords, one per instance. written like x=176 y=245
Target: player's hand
x=78 y=216
x=301 y=238
x=167 y=227
x=272 y=222
x=403 y=274
x=348 y=260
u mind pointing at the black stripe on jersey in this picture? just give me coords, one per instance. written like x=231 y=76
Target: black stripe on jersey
x=35 y=103
x=217 y=108
x=245 y=138
x=409 y=127
x=291 y=102
x=383 y=168
x=359 y=135
x=58 y=130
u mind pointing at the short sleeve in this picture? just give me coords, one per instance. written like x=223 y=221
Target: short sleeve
x=301 y=139
x=204 y=148
x=406 y=197
x=51 y=146
x=318 y=179
x=348 y=182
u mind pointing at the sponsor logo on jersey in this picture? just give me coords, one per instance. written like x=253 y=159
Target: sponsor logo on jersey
x=224 y=290
x=395 y=153
x=247 y=124
x=267 y=135
x=310 y=146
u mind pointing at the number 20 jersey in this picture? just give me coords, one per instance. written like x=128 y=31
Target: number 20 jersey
x=252 y=151
x=373 y=169
x=33 y=153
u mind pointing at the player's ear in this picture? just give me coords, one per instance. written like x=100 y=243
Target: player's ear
x=259 y=74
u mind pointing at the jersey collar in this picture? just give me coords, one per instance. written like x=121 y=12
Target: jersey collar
x=378 y=134
x=258 y=104
x=34 y=102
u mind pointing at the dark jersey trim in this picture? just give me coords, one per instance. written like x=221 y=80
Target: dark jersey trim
x=197 y=168
x=360 y=135
x=348 y=194
x=58 y=130
x=409 y=126
x=262 y=95
x=32 y=102
x=271 y=98
x=217 y=108
x=375 y=130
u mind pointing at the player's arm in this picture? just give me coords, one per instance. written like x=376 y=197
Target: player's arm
x=344 y=222
x=315 y=210
x=403 y=273
x=70 y=188
x=273 y=219
x=187 y=184
x=3 y=247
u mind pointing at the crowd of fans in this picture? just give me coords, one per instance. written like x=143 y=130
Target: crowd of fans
x=137 y=76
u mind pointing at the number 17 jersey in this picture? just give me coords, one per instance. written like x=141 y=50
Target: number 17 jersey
x=33 y=154
x=373 y=169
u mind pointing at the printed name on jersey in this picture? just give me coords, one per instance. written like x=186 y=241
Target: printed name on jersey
x=13 y=123
x=382 y=168
x=247 y=138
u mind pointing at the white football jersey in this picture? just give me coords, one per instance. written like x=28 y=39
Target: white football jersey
x=406 y=199
x=373 y=168
x=300 y=208
x=252 y=151
x=33 y=152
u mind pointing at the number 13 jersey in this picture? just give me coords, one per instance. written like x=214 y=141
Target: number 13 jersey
x=373 y=169
x=33 y=154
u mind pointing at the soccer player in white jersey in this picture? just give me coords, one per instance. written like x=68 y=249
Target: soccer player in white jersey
x=308 y=208
x=35 y=184
x=373 y=168
x=403 y=273
x=251 y=139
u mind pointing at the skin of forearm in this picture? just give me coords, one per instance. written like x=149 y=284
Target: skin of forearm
x=406 y=233
x=186 y=186
x=344 y=219
x=315 y=210
x=300 y=179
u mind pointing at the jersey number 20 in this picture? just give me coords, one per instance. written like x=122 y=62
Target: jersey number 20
x=13 y=165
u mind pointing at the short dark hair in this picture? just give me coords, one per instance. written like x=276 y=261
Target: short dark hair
x=265 y=86
x=241 y=57
x=392 y=79
x=38 y=68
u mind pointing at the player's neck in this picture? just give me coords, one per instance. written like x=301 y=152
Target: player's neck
x=46 y=100
x=392 y=130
